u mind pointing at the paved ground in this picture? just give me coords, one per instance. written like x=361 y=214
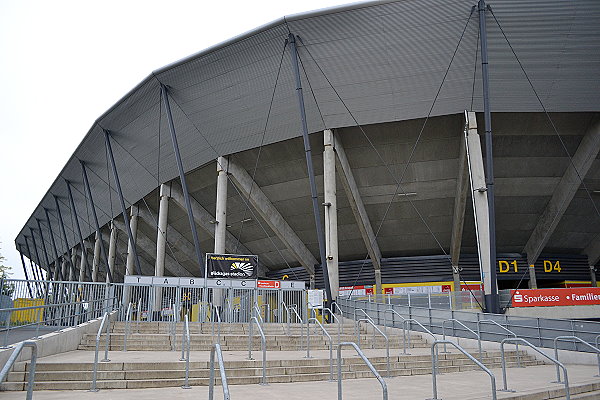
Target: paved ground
x=472 y=385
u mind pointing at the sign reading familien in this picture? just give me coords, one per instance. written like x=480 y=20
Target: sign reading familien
x=231 y=266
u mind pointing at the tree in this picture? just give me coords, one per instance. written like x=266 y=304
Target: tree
x=7 y=289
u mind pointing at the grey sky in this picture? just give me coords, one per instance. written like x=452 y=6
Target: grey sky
x=63 y=63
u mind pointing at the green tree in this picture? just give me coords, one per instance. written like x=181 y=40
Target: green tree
x=7 y=289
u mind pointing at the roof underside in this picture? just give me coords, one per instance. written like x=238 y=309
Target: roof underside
x=386 y=62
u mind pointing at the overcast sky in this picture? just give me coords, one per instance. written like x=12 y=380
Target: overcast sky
x=63 y=63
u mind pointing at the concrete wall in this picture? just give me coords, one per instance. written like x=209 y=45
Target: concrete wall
x=61 y=341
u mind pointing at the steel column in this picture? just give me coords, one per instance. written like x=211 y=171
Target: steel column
x=96 y=260
x=491 y=299
x=98 y=231
x=133 y=224
x=32 y=265
x=25 y=271
x=186 y=194
x=122 y=200
x=77 y=225
x=309 y=164
x=64 y=234
x=57 y=269
x=49 y=273
x=37 y=254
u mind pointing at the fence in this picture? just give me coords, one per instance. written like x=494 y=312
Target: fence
x=539 y=331
x=464 y=300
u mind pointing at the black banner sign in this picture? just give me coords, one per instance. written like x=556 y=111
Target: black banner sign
x=231 y=266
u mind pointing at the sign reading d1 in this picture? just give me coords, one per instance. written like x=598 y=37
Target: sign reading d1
x=231 y=266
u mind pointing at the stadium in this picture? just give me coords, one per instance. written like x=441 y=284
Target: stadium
x=375 y=115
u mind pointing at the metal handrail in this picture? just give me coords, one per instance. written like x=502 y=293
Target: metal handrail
x=366 y=360
x=406 y=322
x=106 y=359
x=336 y=305
x=218 y=313
x=385 y=317
x=263 y=343
x=330 y=346
x=577 y=339
x=366 y=315
x=536 y=349
x=13 y=358
x=453 y=320
x=491 y=321
x=267 y=312
x=301 y=322
x=434 y=360
x=127 y=319
x=188 y=340
x=337 y=322
x=256 y=310
x=216 y=348
x=288 y=316
x=387 y=341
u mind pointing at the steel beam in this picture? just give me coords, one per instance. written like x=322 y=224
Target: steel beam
x=148 y=246
x=64 y=234
x=480 y=202
x=309 y=165
x=57 y=269
x=84 y=263
x=460 y=205
x=186 y=193
x=261 y=203
x=97 y=224
x=358 y=208
x=121 y=199
x=32 y=265
x=49 y=271
x=25 y=271
x=37 y=254
x=565 y=191
x=205 y=220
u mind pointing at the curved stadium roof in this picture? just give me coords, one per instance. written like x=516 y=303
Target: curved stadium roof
x=385 y=60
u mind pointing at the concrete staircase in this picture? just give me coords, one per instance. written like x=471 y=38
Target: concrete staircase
x=291 y=367
x=132 y=375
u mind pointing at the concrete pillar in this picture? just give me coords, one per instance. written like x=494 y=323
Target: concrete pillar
x=221 y=207
x=96 y=260
x=532 y=278
x=112 y=250
x=82 y=263
x=161 y=241
x=65 y=267
x=458 y=218
x=133 y=221
x=480 y=201
x=593 y=276
x=331 y=232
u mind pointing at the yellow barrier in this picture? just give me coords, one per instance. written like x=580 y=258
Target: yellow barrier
x=27 y=316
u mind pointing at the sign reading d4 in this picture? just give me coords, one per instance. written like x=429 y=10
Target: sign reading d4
x=550 y=266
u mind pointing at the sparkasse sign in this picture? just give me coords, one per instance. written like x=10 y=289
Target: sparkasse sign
x=555 y=297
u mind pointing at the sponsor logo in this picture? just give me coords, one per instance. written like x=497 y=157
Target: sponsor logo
x=246 y=268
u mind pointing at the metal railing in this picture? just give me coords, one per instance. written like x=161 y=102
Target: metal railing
x=263 y=343
x=127 y=320
x=325 y=333
x=13 y=357
x=337 y=322
x=434 y=367
x=537 y=350
x=491 y=321
x=299 y=318
x=105 y=321
x=453 y=320
x=406 y=323
x=366 y=360
x=216 y=348
x=215 y=311
x=387 y=341
x=576 y=339
x=188 y=340
x=288 y=316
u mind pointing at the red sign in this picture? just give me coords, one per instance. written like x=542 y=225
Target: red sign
x=555 y=297
x=473 y=286
x=268 y=284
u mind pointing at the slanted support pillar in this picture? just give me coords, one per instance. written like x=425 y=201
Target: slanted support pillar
x=133 y=222
x=64 y=234
x=221 y=207
x=161 y=240
x=331 y=231
x=112 y=250
x=25 y=271
x=57 y=269
x=358 y=209
x=96 y=259
x=73 y=263
x=532 y=278
x=83 y=264
x=458 y=219
x=480 y=202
